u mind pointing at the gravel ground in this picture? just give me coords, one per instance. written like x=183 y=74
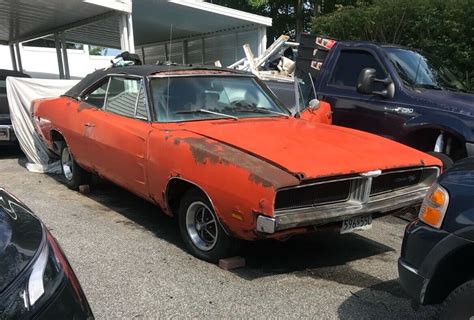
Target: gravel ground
x=132 y=264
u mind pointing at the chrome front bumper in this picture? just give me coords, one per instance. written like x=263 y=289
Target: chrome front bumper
x=360 y=202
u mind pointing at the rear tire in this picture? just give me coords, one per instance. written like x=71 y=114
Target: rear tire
x=200 y=229
x=73 y=174
x=445 y=159
x=459 y=304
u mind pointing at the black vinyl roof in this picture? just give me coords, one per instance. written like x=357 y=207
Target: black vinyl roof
x=139 y=70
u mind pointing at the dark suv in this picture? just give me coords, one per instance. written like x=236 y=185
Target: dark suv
x=7 y=135
x=437 y=259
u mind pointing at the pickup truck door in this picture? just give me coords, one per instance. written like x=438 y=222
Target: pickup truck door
x=118 y=135
x=370 y=113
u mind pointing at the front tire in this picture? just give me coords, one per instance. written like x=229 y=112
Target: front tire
x=73 y=174
x=459 y=304
x=200 y=229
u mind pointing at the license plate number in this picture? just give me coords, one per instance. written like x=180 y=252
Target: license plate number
x=356 y=223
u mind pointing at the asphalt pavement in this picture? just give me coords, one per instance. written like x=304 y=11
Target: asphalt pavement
x=132 y=264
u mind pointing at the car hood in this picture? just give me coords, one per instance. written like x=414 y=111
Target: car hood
x=453 y=101
x=21 y=234
x=310 y=150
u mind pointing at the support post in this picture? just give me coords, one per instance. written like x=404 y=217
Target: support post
x=131 y=39
x=65 y=58
x=123 y=26
x=143 y=55
x=203 y=51
x=18 y=56
x=167 y=56
x=185 y=52
x=13 y=57
x=58 y=55
x=262 y=40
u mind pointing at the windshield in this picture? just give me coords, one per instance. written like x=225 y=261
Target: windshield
x=420 y=71
x=191 y=98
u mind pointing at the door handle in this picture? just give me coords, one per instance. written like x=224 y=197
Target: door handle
x=89 y=125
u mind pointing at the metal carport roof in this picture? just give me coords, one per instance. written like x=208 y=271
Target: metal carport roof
x=108 y=23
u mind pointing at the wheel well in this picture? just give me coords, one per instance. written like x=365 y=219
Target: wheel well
x=453 y=271
x=425 y=139
x=56 y=140
x=175 y=191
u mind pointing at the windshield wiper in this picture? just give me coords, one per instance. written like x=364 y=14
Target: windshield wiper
x=207 y=111
x=259 y=110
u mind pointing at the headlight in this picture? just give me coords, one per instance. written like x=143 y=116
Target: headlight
x=434 y=206
x=46 y=273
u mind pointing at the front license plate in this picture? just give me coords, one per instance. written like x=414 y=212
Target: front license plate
x=4 y=135
x=356 y=223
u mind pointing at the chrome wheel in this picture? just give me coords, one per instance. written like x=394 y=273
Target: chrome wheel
x=67 y=163
x=201 y=225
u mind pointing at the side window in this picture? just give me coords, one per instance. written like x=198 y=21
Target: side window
x=141 y=105
x=97 y=97
x=349 y=65
x=124 y=95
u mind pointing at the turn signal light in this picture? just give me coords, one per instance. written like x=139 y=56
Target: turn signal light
x=434 y=206
x=437 y=198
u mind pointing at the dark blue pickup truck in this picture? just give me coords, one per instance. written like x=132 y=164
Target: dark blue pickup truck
x=394 y=92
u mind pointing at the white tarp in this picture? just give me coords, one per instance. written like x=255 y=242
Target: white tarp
x=21 y=92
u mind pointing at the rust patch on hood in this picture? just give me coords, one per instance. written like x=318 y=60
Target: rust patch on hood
x=260 y=180
x=208 y=151
x=83 y=106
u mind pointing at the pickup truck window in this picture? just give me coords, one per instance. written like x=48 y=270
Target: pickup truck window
x=124 y=96
x=349 y=65
x=420 y=70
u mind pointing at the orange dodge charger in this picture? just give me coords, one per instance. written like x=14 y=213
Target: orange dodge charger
x=215 y=148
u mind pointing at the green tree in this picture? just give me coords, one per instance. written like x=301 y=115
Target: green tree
x=291 y=17
x=444 y=28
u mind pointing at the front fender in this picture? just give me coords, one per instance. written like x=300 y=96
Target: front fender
x=444 y=122
x=237 y=183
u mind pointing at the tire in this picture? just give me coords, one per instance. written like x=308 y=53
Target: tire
x=198 y=224
x=460 y=303
x=73 y=174
x=445 y=159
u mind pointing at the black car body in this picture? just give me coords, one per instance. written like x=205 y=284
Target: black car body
x=36 y=280
x=409 y=97
x=7 y=135
x=438 y=250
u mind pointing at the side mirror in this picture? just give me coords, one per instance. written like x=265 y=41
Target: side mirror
x=313 y=104
x=366 y=81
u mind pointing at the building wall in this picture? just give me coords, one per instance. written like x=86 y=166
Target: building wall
x=42 y=62
x=225 y=47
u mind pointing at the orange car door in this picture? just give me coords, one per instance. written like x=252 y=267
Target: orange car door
x=80 y=121
x=119 y=134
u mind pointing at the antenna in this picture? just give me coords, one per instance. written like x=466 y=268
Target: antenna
x=169 y=69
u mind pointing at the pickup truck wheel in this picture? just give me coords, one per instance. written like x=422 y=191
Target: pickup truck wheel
x=458 y=305
x=72 y=172
x=201 y=231
x=445 y=159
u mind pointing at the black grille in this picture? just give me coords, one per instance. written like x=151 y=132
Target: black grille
x=396 y=180
x=307 y=196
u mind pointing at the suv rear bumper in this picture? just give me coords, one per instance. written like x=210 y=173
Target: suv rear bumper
x=7 y=135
